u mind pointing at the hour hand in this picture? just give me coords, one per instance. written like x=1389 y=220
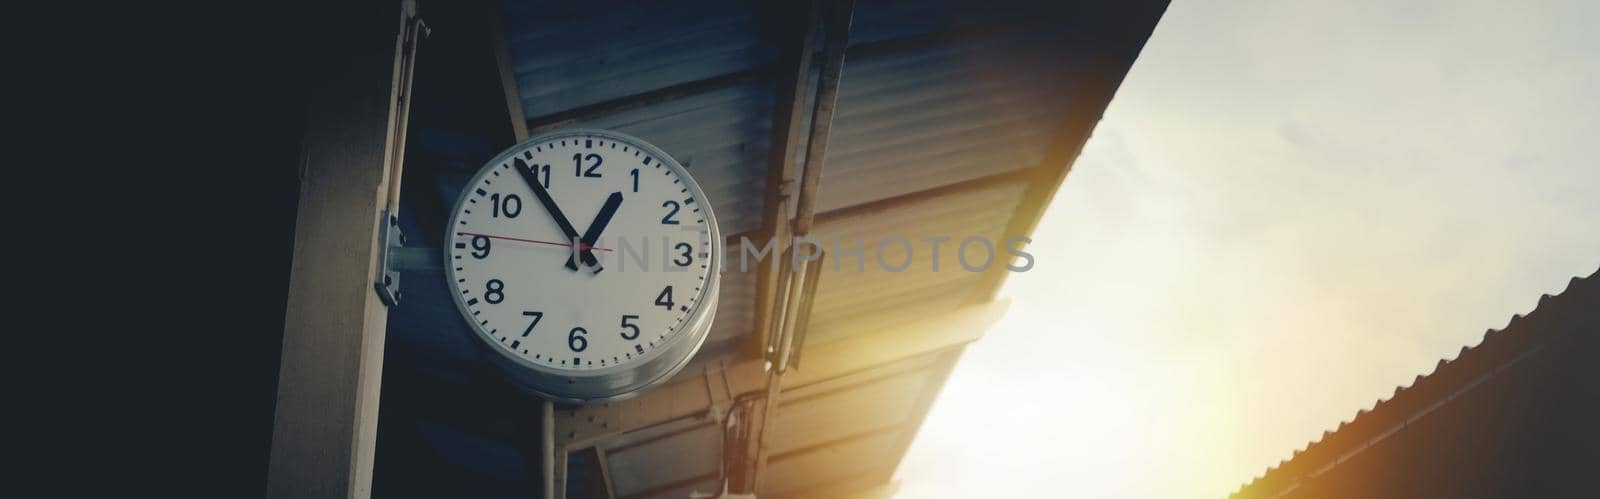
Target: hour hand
x=601 y=220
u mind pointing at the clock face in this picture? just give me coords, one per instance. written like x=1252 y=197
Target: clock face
x=622 y=308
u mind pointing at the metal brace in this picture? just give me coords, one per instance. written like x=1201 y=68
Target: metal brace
x=388 y=282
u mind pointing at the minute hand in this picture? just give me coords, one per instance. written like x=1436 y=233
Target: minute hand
x=550 y=206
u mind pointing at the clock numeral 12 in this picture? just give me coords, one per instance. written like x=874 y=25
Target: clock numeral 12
x=578 y=169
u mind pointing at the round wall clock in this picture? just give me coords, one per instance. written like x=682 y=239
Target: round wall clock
x=587 y=262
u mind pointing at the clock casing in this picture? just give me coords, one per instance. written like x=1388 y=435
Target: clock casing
x=545 y=316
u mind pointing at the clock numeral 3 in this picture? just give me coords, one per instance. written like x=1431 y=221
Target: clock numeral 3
x=494 y=291
x=576 y=340
x=688 y=254
x=626 y=326
x=510 y=206
x=664 y=299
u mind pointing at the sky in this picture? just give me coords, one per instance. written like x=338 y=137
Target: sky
x=1289 y=209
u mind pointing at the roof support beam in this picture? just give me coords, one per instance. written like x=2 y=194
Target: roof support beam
x=508 y=76
x=325 y=422
x=788 y=117
x=605 y=471
x=769 y=316
x=832 y=72
x=555 y=486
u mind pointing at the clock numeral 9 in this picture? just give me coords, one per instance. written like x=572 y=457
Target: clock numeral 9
x=668 y=219
x=578 y=169
x=688 y=254
x=664 y=299
x=510 y=205
x=626 y=326
x=480 y=247
x=576 y=341
x=494 y=291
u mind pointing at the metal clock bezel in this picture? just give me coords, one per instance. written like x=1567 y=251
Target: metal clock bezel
x=614 y=383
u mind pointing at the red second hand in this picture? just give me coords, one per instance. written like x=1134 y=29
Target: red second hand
x=564 y=245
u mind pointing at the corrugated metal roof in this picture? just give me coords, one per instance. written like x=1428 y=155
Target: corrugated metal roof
x=637 y=467
x=920 y=119
x=943 y=108
x=849 y=301
x=868 y=408
x=1573 y=311
x=878 y=402
x=909 y=120
x=736 y=307
x=720 y=136
x=568 y=55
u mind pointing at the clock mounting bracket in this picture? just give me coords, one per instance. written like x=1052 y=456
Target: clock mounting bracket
x=387 y=283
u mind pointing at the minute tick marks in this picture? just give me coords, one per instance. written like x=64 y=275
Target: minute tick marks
x=533 y=264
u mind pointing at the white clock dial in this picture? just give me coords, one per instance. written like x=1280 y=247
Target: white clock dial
x=580 y=325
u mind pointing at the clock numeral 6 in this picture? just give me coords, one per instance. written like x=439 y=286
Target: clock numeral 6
x=494 y=291
x=576 y=341
x=626 y=325
x=664 y=299
x=510 y=205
